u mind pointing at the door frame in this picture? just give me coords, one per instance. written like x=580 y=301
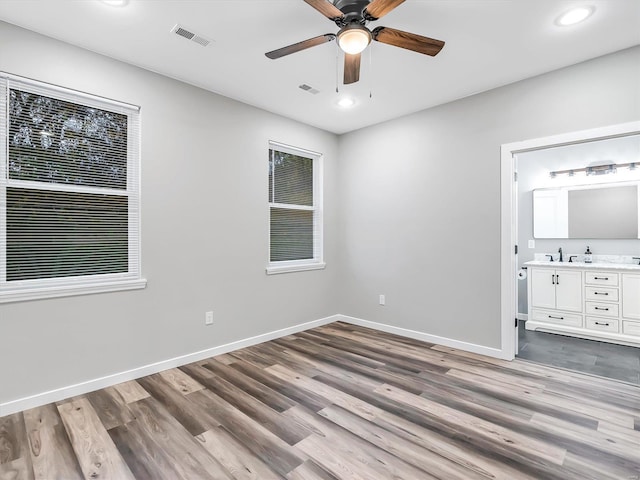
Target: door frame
x=509 y=216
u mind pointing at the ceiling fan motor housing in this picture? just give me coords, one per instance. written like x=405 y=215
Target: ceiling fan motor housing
x=352 y=10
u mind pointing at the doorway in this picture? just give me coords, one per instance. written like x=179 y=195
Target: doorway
x=549 y=348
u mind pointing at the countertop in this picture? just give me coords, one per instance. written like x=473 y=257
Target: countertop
x=627 y=267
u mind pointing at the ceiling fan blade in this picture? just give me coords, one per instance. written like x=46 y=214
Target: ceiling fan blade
x=329 y=10
x=351 y=68
x=379 y=8
x=410 y=41
x=296 y=47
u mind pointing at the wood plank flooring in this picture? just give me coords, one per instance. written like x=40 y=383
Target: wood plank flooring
x=336 y=402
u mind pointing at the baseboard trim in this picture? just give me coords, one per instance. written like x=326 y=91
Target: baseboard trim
x=522 y=316
x=63 y=393
x=58 y=394
x=425 y=337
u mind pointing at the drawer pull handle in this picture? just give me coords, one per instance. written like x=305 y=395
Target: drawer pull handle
x=557 y=318
x=600 y=293
x=603 y=324
x=598 y=308
x=601 y=278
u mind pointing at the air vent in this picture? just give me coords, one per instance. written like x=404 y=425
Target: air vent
x=308 y=88
x=194 y=37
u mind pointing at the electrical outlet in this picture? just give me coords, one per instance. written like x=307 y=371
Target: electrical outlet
x=382 y=300
x=208 y=318
x=532 y=244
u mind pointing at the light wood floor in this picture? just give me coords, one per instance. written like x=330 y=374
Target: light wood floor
x=336 y=402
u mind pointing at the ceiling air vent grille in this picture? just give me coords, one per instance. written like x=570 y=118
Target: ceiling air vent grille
x=194 y=37
x=308 y=88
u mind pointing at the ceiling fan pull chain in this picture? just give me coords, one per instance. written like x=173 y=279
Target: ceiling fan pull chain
x=337 y=68
x=370 y=71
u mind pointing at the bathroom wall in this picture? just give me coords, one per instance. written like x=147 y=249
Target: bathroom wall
x=533 y=173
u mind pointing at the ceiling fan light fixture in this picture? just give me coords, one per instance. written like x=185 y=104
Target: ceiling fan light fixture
x=575 y=15
x=353 y=39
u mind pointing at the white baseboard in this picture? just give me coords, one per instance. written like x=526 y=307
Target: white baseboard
x=425 y=337
x=522 y=316
x=89 y=386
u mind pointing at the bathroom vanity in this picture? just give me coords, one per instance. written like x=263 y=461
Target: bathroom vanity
x=599 y=301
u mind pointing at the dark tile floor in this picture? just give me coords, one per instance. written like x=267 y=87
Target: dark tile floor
x=589 y=356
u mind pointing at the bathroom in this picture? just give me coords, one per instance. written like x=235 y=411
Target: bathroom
x=602 y=176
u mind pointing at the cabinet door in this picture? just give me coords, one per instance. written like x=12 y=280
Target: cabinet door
x=631 y=296
x=569 y=290
x=543 y=289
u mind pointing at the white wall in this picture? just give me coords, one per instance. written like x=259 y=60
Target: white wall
x=420 y=195
x=204 y=232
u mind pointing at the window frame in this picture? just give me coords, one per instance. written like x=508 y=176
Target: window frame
x=34 y=289
x=317 y=262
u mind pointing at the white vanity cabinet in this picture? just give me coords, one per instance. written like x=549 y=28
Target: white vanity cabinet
x=585 y=301
x=631 y=304
x=602 y=301
x=556 y=289
x=631 y=296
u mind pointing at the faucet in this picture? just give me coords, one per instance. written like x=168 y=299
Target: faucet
x=560 y=252
x=571 y=257
x=550 y=257
x=637 y=258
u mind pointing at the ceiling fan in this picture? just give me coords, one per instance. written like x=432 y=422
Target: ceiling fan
x=352 y=16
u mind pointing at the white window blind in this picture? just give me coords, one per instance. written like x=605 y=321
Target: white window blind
x=69 y=192
x=295 y=209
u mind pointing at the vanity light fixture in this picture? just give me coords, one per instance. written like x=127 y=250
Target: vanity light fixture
x=575 y=15
x=595 y=170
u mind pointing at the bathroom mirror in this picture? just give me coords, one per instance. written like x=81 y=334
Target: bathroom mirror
x=605 y=211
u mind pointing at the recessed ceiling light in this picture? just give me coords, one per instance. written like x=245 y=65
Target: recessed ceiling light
x=115 y=3
x=575 y=15
x=346 y=102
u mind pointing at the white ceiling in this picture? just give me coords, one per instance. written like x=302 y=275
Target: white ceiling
x=489 y=43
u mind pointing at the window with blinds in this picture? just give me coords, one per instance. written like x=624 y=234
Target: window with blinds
x=69 y=192
x=295 y=214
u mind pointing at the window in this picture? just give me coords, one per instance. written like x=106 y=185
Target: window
x=69 y=192
x=295 y=209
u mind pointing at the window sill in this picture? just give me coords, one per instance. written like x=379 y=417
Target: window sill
x=39 y=293
x=276 y=269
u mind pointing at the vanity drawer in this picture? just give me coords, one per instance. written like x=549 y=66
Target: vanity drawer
x=601 y=294
x=606 y=279
x=560 y=318
x=601 y=324
x=631 y=328
x=602 y=309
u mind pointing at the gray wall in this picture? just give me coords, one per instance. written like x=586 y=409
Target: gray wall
x=420 y=195
x=533 y=173
x=204 y=232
